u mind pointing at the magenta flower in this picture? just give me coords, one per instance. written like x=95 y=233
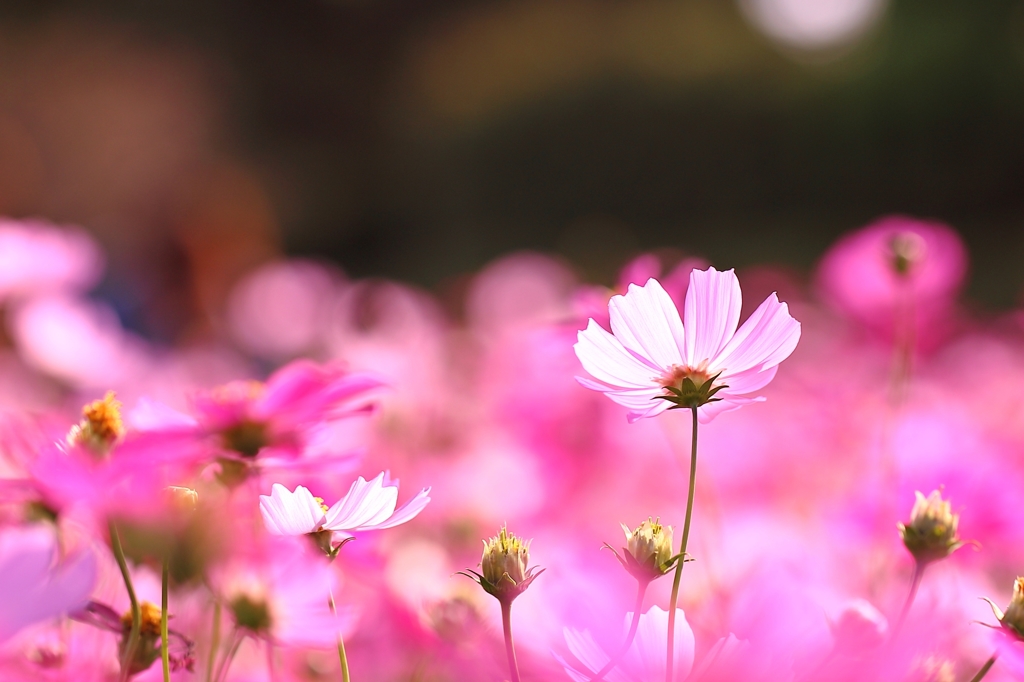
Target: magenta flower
x=35 y=586
x=278 y=418
x=369 y=505
x=652 y=361
x=898 y=270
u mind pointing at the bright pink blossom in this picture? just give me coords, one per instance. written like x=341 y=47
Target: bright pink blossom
x=650 y=347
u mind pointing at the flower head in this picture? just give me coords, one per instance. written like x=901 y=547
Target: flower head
x=654 y=360
x=931 y=533
x=504 y=568
x=648 y=551
x=369 y=505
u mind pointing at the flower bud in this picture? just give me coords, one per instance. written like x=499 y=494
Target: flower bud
x=1013 y=620
x=504 y=572
x=931 y=535
x=648 y=551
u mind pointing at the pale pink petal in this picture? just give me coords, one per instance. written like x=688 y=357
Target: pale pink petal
x=35 y=587
x=291 y=513
x=367 y=502
x=767 y=338
x=647 y=655
x=645 y=320
x=605 y=359
x=706 y=413
x=711 y=313
x=747 y=382
x=406 y=512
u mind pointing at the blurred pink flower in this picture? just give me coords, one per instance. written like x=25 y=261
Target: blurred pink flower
x=35 y=586
x=279 y=592
x=897 y=267
x=369 y=505
x=650 y=350
x=645 y=660
x=37 y=257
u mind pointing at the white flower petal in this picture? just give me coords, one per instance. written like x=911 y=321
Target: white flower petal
x=291 y=513
x=767 y=338
x=711 y=313
x=646 y=321
x=605 y=359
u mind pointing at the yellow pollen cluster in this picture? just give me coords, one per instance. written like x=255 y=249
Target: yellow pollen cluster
x=150 y=619
x=103 y=418
x=101 y=427
x=320 y=501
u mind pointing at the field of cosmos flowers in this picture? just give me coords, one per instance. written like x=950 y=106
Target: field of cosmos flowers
x=818 y=478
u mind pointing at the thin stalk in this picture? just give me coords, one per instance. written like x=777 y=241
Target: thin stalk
x=641 y=590
x=682 y=552
x=915 y=583
x=342 y=658
x=510 y=649
x=236 y=641
x=214 y=641
x=133 y=633
x=165 y=655
x=984 y=669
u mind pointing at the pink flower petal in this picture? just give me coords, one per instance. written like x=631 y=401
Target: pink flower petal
x=645 y=320
x=291 y=513
x=767 y=338
x=604 y=358
x=711 y=313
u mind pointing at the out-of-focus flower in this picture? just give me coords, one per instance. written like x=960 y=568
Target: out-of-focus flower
x=36 y=257
x=860 y=628
x=276 y=417
x=931 y=533
x=368 y=505
x=898 y=275
x=648 y=551
x=505 y=572
x=35 y=585
x=652 y=361
x=147 y=650
x=279 y=593
x=645 y=660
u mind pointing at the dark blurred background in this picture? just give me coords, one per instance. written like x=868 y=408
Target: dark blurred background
x=418 y=140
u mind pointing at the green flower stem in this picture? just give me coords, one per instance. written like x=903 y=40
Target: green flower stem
x=133 y=634
x=915 y=583
x=984 y=669
x=641 y=590
x=669 y=669
x=510 y=649
x=214 y=641
x=165 y=655
x=342 y=658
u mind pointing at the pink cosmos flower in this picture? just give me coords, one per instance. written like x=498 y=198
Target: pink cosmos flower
x=369 y=505
x=35 y=587
x=652 y=354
